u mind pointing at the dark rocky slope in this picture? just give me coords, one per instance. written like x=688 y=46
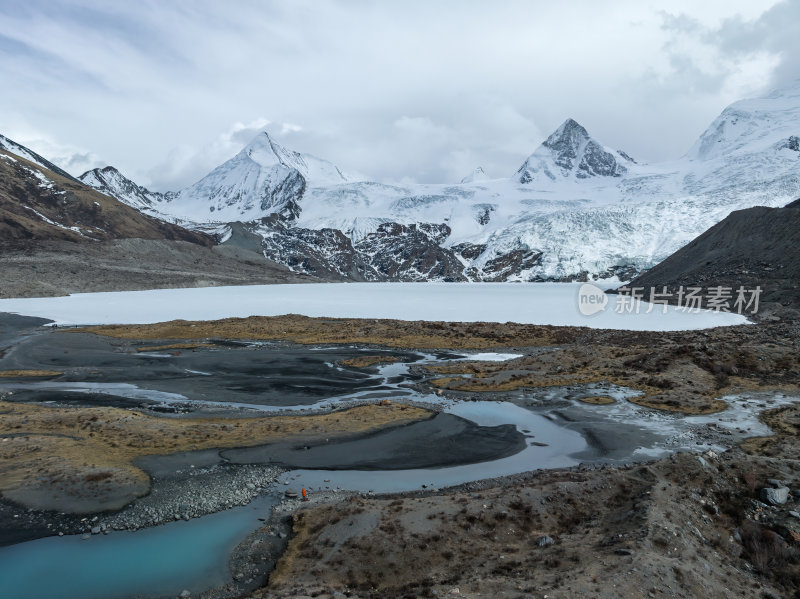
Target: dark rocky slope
x=38 y=204
x=59 y=236
x=753 y=247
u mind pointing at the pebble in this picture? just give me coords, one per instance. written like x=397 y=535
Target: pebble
x=175 y=500
x=545 y=541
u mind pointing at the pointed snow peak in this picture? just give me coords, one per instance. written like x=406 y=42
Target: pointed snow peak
x=266 y=152
x=571 y=152
x=566 y=143
x=477 y=175
x=571 y=134
x=103 y=176
x=261 y=150
x=110 y=181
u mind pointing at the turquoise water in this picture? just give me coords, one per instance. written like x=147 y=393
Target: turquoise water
x=157 y=561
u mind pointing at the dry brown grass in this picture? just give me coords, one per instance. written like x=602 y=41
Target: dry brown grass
x=305 y=330
x=49 y=443
x=785 y=422
x=667 y=380
x=29 y=373
x=597 y=400
x=366 y=361
x=484 y=541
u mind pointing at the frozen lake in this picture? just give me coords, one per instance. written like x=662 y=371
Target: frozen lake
x=530 y=303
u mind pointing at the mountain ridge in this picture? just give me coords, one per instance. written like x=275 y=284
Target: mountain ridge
x=582 y=209
x=37 y=203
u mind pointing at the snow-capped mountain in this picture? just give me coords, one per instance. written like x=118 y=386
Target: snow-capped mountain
x=477 y=175
x=570 y=153
x=262 y=179
x=574 y=209
x=111 y=182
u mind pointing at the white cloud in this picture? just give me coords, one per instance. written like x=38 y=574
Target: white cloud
x=72 y=159
x=420 y=91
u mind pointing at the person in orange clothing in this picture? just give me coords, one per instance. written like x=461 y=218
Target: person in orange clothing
x=305 y=494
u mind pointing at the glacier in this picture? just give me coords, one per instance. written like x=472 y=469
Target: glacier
x=574 y=210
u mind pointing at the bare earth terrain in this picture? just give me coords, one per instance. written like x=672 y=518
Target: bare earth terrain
x=685 y=526
x=690 y=525
x=64 y=267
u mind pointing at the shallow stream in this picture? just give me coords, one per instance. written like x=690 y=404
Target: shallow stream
x=557 y=429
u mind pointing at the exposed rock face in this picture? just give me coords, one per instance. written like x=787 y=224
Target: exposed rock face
x=326 y=253
x=571 y=153
x=469 y=251
x=411 y=253
x=793 y=143
x=506 y=265
x=394 y=252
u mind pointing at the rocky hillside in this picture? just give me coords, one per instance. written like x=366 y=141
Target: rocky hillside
x=38 y=204
x=59 y=236
x=754 y=247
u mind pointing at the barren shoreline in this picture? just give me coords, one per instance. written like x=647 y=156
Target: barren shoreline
x=679 y=372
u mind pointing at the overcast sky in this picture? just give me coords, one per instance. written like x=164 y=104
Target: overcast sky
x=397 y=91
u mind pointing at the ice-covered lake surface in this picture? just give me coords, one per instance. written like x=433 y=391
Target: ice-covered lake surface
x=530 y=303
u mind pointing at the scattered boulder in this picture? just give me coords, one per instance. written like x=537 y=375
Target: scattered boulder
x=545 y=541
x=773 y=496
